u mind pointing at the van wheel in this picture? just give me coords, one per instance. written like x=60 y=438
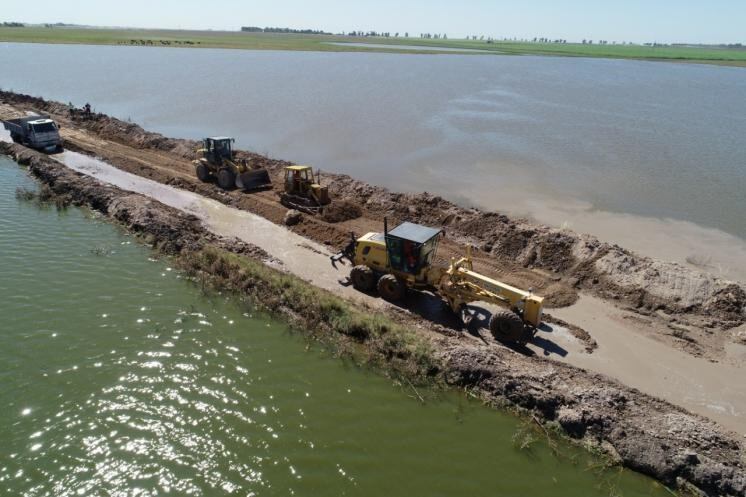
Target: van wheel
x=15 y=138
x=362 y=278
x=226 y=179
x=506 y=326
x=391 y=288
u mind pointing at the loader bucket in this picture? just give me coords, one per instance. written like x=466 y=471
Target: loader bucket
x=253 y=180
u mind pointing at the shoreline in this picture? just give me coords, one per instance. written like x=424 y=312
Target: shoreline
x=646 y=434
x=236 y=40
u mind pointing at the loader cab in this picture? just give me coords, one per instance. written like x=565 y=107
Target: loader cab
x=218 y=148
x=411 y=247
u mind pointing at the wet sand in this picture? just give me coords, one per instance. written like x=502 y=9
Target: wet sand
x=627 y=353
x=698 y=247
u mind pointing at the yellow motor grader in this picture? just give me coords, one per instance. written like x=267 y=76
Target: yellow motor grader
x=215 y=160
x=394 y=261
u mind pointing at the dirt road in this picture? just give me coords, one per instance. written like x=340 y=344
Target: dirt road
x=298 y=255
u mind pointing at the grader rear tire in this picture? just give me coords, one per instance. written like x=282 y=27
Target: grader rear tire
x=203 y=173
x=391 y=288
x=362 y=278
x=506 y=326
x=226 y=179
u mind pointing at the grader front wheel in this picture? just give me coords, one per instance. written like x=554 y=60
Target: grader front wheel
x=506 y=326
x=391 y=288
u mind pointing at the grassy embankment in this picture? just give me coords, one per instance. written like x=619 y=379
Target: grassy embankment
x=271 y=41
x=385 y=343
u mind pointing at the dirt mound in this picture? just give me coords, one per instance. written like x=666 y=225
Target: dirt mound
x=341 y=210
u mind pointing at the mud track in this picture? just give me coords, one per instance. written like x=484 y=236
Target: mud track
x=643 y=433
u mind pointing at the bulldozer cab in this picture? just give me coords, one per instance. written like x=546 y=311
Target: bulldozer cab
x=218 y=148
x=411 y=247
x=298 y=179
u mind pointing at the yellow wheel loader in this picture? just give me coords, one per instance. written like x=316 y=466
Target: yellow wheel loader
x=303 y=191
x=216 y=161
x=395 y=261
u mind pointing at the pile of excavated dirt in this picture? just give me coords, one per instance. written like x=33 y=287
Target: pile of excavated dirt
x=641 y=432
x=342 y=210
x=556 y=262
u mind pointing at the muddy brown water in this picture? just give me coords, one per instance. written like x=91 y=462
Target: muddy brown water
x=647 y=155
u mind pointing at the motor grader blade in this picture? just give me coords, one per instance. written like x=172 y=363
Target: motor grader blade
x=253 y=179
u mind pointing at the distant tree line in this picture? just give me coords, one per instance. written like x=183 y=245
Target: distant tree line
x=256 y=29
x=436 y=36
x=374 y=33
x=12 y=25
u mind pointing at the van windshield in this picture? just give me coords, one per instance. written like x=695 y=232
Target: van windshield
x=44 y=128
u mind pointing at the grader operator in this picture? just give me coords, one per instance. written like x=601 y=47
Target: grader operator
x=404 y=258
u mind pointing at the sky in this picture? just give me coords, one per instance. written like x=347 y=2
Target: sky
x=666 y=21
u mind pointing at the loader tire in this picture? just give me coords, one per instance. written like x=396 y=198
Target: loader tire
x=391 y=288
x=507 y=326
x=203 y=173
x=226 y=179
x=362 y=278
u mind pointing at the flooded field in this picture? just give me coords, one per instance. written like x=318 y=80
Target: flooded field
x=624 y=150
x=119 y=375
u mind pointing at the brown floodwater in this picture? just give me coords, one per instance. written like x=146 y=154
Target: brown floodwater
x=647 y=155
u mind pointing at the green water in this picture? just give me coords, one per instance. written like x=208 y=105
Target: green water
x=119 y=378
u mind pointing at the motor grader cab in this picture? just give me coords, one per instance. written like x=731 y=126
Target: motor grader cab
x=216 y=161
x=303 y=191
x=404 y=258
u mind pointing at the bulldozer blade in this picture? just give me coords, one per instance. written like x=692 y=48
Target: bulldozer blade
x=253 y=180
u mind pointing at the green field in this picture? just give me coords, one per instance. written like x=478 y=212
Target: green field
x=270 y=41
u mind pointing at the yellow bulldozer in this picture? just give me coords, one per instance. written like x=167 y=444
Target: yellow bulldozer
x=404 y=258
x=216 y=161
x=303 y=190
